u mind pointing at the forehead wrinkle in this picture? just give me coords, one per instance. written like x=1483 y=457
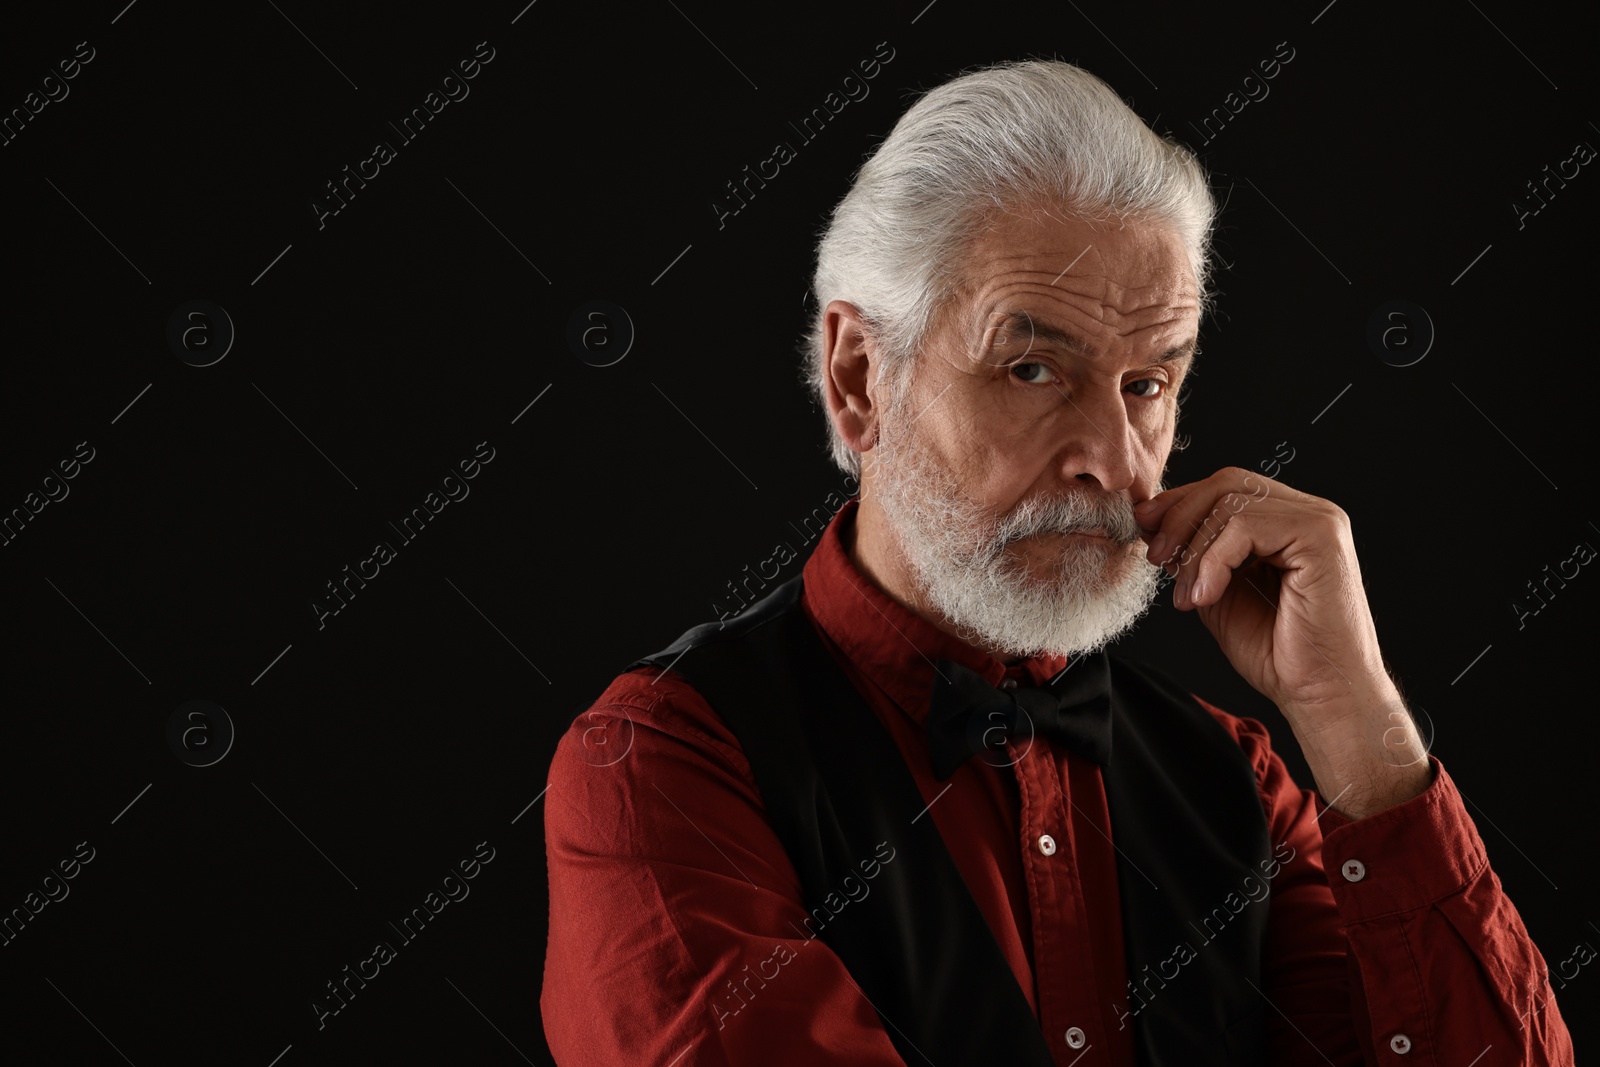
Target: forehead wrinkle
x=1146 y=263
x=988 y=281
x=1108 y=302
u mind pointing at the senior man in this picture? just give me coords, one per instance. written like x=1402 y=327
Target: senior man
x=906 y=808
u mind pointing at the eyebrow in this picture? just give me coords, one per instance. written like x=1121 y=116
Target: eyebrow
x=1051 y=334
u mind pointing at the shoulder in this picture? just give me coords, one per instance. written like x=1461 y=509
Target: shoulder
x=663 y=701
x=652 y=722
x=649 y=727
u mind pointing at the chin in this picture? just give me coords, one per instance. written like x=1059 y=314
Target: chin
x=1080 y=560
x=1087 y=600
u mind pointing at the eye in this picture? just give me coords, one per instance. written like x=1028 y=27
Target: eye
x=1031 y=380
x=1035 y=373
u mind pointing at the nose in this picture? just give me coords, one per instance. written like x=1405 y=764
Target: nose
x=1098 y=448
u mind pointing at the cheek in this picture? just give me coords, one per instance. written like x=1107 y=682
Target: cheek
x=990 y=464
x=977 y=440
x=1155 y=437
x=1160 y=426
x=1156 y=424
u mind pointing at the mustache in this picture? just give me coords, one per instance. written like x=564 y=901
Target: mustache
x=1083 y=512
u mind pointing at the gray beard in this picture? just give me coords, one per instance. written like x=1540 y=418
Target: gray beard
x=959 y=556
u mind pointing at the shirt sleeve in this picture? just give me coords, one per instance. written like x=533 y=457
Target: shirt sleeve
x=1390 y=940
x=677 y=929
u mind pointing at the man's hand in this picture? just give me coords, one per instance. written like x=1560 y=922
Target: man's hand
x=1273 y=575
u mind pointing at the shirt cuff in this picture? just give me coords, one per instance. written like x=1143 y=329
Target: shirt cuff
x=1404 y=858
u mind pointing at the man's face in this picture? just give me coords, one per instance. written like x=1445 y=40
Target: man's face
x=1043 y=406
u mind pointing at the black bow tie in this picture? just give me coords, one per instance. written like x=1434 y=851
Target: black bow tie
x=969 y=716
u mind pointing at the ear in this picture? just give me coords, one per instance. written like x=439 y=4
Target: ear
x=850 y=370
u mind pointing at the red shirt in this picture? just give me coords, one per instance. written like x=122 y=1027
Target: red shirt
x=676 y=917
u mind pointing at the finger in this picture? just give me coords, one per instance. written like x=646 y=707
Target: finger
x=1191 y=554
x=1225 y=493
x=1201 y=546
x=1149 y=511
x=1237 y=542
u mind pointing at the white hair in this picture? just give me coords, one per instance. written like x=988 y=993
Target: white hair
x=1007 y=135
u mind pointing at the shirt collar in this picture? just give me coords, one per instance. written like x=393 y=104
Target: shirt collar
x=892 y=646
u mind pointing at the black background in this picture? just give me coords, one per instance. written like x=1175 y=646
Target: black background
x=374 y=353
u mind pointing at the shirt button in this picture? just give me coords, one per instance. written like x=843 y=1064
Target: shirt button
x=1047 y=845
x=1008 y=683
x=1400 y=1043
x=1354 y=871
x=1075 y=1037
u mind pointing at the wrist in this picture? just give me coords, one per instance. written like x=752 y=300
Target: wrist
x=1363 y=748
x=1367 y=794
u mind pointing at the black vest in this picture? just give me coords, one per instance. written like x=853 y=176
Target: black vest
x=1185 y=813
